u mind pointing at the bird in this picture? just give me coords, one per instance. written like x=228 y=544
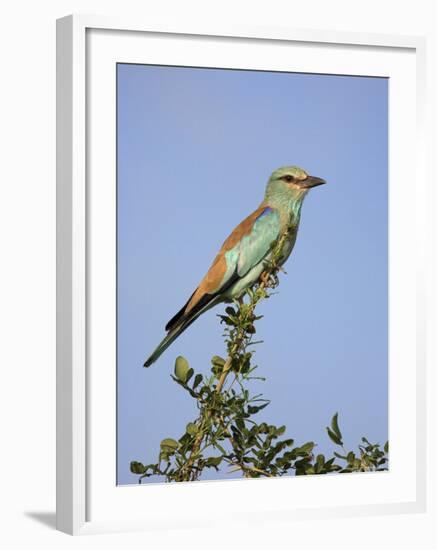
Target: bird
x=245 y=253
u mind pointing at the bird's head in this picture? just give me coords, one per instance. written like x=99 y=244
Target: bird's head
x=292 y=182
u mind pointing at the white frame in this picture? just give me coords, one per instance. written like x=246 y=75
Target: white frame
x=72 y=378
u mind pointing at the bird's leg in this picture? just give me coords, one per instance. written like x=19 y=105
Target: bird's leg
x=265 y=276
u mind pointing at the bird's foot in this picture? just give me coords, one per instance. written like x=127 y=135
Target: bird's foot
x=275 y=281
x=264 y=278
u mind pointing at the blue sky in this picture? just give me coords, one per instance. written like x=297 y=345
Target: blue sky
x=195 y=150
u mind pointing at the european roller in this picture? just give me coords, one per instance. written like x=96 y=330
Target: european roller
x=245 y=253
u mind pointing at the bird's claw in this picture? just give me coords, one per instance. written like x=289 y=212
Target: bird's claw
x=265 y=277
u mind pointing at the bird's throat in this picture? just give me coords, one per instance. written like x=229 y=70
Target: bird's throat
x=289 y=206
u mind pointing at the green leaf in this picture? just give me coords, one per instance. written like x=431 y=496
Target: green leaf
x=253 y=410
x=181 y=369
x=169 y=445
x=184 y=439
x=350 y=457
x=213 y=460
x=240 y=424
x=137 y=467
x=197 y=379
x=386 y=447
x=218 y=361
x=334 y=426
x=227 y=320
x=191 y=428
x=306 y=448
x=334 y=437
x=339 y=455
x=205 y=392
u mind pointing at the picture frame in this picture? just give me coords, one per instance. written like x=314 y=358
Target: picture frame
x=87 y=48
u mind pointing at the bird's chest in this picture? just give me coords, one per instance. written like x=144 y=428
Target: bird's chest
x=288 y=247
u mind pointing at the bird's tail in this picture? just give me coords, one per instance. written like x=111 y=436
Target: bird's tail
x=177 y=330
x=164 y=344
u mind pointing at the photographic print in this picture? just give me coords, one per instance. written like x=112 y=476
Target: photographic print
x=252 y=274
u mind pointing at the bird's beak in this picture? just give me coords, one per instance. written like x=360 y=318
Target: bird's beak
x=311 y=181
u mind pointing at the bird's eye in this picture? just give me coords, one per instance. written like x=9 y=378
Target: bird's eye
x=288 y=178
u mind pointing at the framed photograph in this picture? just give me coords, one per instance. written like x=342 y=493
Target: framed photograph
x=240 y=275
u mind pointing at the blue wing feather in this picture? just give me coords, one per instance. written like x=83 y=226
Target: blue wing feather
x=256 y=245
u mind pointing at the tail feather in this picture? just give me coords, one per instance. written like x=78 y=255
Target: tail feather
x=177 y=330
x=164 y=344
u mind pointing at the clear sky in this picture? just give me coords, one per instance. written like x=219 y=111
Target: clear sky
x=195 y=150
